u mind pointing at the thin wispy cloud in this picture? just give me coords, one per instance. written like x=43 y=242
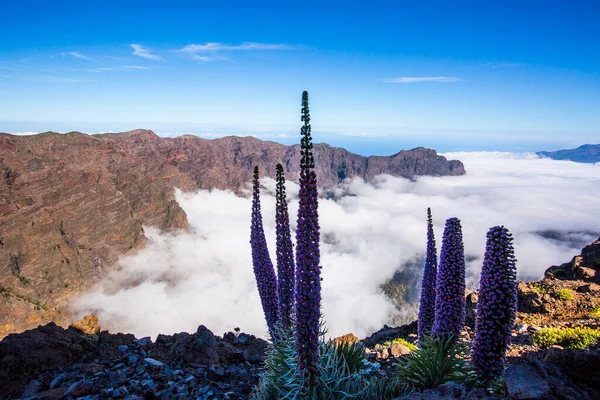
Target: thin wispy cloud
x=58 y=79
x=505 y=64
x=23 y=133
x=144 y=52
x=75 y=54
x=120 y=68
x=139 y=67
x=209 y=51
x=365 y=134
x=414 y=79
x=115 y=58
x=287 y=135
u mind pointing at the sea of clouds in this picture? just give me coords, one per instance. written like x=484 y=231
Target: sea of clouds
x=368 y=231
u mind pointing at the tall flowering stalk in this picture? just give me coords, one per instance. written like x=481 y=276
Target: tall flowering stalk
x=263 y=267
x=308 y=273
x=497 y=304
x=427 y=305
x=450 y=288
x=285 y=254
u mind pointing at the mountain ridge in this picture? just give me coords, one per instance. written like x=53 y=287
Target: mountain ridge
x=72 y=204
x=587 y=153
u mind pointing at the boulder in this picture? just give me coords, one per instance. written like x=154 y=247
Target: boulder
x=524 y=382
x=528 y=300
x=390 y=333
x=471 y=308
x=346 y=339
x=255 y=351
x=200 y=348
x=24 y=356
x=589 y=288
x=585 y=272
x=399 y=350
x=88 y=325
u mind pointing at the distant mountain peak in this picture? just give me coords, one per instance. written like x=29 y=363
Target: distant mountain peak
x=587 y=153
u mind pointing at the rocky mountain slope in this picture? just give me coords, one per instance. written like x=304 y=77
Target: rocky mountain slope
x=588 y=153
x=72 y=204
x=81 y=362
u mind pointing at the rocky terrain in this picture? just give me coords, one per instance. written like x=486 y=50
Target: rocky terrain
x=588 y=153
x=50 y=362
x=72 y=204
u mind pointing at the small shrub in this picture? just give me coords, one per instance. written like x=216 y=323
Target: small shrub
x=595 y=312
x=536 y=287
x=435 y=363
x=283 y=378
x=578 y=338
x=559 y=273
x=351 y=354
x=564 y=294
x=406 y=343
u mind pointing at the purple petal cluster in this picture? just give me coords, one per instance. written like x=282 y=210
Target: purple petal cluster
x=263 y=267
x=497 y=304
x=308 y=271
x=285 y=254
x=428 y=285
x=450 y=289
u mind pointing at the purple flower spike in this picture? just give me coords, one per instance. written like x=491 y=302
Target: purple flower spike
x=263 y=267
x=285 y=254
x=308 y=271
x=497 y=304
x=427 y=306
x=450 y=289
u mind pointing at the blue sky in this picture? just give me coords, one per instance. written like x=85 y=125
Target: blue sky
x=382 y=76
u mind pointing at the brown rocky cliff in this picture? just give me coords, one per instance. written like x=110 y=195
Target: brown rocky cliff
x=72 y=204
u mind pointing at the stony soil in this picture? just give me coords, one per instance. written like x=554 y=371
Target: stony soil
x=50 y=362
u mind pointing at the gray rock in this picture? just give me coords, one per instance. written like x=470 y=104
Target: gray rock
x=524 y=382
x=153 y=362
x=33 y=387
x=215 y=374
x=145 y=341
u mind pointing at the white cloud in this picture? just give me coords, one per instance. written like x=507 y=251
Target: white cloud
x=60 y=79
x=506 y=65
x=144 y=52
x=121 y=68
x=368 y=231
x=23 y=133
x=75 y=54
x=413 y=79
x=199 y=52
x=365 y=134
x=139 y=67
